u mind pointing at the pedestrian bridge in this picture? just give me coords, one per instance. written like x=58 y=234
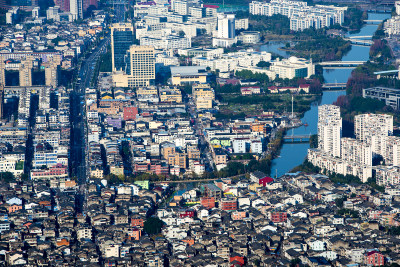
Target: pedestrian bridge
x=333 y=86
x=361 y=37
x=341 y=63
x=359 y=41
x=297 y=138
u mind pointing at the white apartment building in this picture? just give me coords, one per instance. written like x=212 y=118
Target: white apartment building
x=167 y=60
x=387 y=175
x=391 y=153
x=239 y=145
x=141 y=9
x=392 y=25
x=301 y=16
x=334 y=164
x=293 y=67
x=373 y=129
x=8 y=163
x=329 y=129
x=181 y=7
x=373 y=133
x=150 y=33
x=231 y=61
x=168 y=42
x=201 y=52
x=356 y=151
x=241 y=24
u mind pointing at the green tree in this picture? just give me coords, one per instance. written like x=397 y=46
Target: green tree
x=314 y=141
x=153 y=225
x=7 y=176
x=339 y=202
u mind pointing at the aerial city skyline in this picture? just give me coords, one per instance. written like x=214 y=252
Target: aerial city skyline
x=199 y=133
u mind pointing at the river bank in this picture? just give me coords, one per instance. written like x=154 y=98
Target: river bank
x=292 y=155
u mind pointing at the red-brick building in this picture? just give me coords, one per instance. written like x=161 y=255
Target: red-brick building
x=207 y=202
x=228 y=204
x=159 y=169
x=278 y=217
x=374 y=258
x=138 y=222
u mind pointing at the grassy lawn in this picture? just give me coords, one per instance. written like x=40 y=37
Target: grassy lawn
x=241 y=106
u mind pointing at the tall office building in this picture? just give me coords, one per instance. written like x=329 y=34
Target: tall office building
x=25 y=72
x=141 y=65
x=1 y=100
x=226 y=31
x=226 y=26
x=51 y=73
x=2 y=72
x=76 y=9
x=373 y=130
x=121 y=40
x=329 y=129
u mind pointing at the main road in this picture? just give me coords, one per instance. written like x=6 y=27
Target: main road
x=78 y=119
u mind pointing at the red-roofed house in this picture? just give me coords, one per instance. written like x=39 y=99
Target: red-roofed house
x=130 y=113
x=236 y=258
x=266 y=180
x=260 y=178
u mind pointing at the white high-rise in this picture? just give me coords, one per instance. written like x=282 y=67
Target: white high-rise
x=329 y=129
x=76 y=9
x=356 y=151
x=226 y=26
x=397 y=6
x=391 y=154
x=225 y=36
x=373 y=130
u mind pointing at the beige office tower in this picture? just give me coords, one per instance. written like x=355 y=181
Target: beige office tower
x=1 y=100
x=204 y=96
x=2 y=72
x=51 y=73
x=25 y=72
x=142 y=65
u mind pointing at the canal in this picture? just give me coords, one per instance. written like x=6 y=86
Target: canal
x=292 y=155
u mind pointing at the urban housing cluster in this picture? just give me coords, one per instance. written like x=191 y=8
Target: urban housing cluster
x=117 y=188
x=374 y=142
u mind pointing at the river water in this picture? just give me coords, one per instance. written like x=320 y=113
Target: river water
x=292 y=155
